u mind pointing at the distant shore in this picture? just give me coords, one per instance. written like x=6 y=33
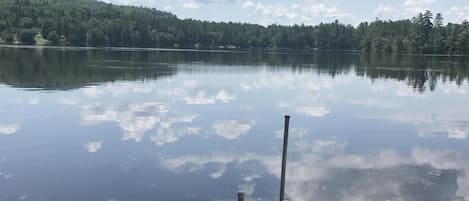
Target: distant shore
x=216 y=50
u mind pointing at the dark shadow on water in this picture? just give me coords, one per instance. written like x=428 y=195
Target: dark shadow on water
x=63 y=69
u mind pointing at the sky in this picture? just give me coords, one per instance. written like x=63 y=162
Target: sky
x=309 y=12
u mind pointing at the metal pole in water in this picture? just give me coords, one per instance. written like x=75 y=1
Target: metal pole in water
x=240 y=196
x=284 y=158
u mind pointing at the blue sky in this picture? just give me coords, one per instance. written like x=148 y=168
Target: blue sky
x=304 y=11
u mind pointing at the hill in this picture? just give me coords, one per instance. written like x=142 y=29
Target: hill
x=94 y=23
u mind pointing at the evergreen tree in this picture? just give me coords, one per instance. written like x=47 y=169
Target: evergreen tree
x=95 y=23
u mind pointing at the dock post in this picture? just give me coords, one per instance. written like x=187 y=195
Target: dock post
x=284 y=158
x=240 y=196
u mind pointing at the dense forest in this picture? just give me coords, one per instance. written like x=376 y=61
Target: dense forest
x=94 y=23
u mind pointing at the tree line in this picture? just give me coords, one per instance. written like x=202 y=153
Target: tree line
x=95 y=23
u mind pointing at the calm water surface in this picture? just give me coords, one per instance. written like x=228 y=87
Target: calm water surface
x=141 y=125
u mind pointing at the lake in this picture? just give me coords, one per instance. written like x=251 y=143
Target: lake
x=127 y=124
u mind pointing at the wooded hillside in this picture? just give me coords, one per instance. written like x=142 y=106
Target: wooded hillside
x=93 y=23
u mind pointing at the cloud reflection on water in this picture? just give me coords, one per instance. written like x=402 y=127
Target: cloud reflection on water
x=225 y=110
x=172 y=135
x=231 y=129
x=321 y=169
x=93 y=147
x=9 y=129
x=449 y=124
x=117 y=89
x=134 y=119
x=202 y=97
x=324 y=172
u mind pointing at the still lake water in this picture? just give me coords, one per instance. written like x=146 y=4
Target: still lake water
x=141 y=125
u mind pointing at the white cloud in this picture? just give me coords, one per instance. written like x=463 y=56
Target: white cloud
x=413 y=7
x=328 y=146
x=165 y=134
x=9 y=129
x=91 y=91
x=433 y=128
x=383 y=10
x=22 y=197
x=339 y=176
x=308 y=110
x=407 y=91
x=231 y=129
x=34 y=101
x=461 y=12
x=268 y=82
x=191 y=5
x=133 y=119
x=324 y=10
x=132 y=2
x=171 y=135
x=375 y=88
x=248 y=189
x=117 y=89
x=294 y=133
x=215 y=1
x=248 y=4
x=173 y=92
x=251 y=177
x=219 y=172
x=191 y=83
x=224 y=96
x=312 y=111
x=303 y=11
x=67 y=101
x=311 y=92
x=457 y=134
x=374 y=103
x=429 y=126
x=193 y=163
x=202 y=97
x=452 y=88
x=181 y=119
x=152 y=3
x=290 y=81
x=93 y=147
x=307 y=11
x=137 y=119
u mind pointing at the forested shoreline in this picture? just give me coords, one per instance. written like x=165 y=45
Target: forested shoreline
x=94 y=23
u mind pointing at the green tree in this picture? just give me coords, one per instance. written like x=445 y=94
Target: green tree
x=46 y=25
x=8 y=36
x=26 y=23
x=53 y=37
x=94 y=23
x=438 y=35
x=27 y=36
x=427 y=30
x=438 y=22
x=3 y=25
